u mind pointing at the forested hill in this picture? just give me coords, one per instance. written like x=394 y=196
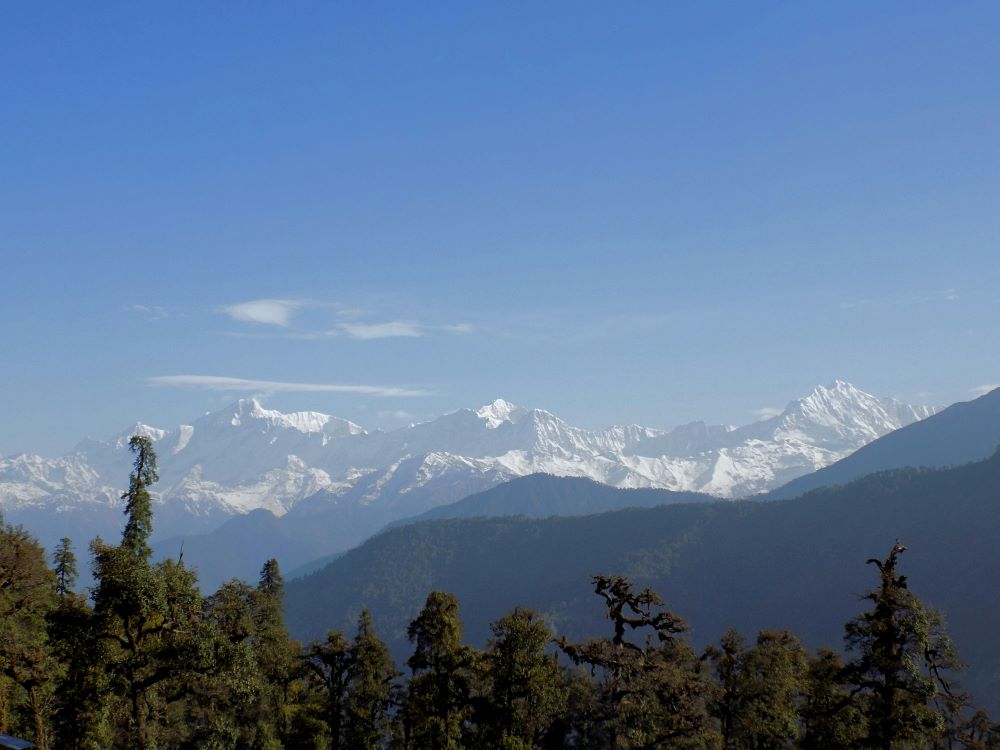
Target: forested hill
x=788 y=564
x=964 y=432
x=545 y=495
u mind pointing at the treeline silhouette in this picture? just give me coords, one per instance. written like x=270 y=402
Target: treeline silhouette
x=147 y=662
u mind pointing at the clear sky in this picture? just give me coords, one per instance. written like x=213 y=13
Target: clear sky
x=633 y=212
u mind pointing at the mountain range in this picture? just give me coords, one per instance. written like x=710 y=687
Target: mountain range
x=797 y=564
x=312 y=484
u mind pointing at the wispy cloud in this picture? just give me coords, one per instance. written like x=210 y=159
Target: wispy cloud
x=222 y=383
x=901 y=300
x=287 y=316
x=152 y=311
x=392 y=329
x=982 y=390
x=767 y=412
x=276 y=312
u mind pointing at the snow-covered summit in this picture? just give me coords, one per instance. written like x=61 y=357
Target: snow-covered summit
x=246 y=456
x=498 y=412
x=302 y=421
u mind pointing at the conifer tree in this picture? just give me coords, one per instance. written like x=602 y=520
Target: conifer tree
x=525 y=688
x=650 y=695
x=437 y=698
x=64 y=561
x=146 y=615
x=757 y=702
x=27 y=669
x=831 y=719
x=222 y=700
x=78 y=720
x=370 y=692
x=276 y=656
x=329 y=663
x=903 y=659
x=138 y=503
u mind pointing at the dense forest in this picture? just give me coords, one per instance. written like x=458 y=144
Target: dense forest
x=146 y=661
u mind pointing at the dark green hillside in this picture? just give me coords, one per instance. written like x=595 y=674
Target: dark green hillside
x=796 y=564
x=964 y=432
x=544 y=495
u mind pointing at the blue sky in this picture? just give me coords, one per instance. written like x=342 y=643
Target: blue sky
x=650 y=213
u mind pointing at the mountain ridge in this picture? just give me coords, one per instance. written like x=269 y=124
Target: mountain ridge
x=246 y=457
x=797 y=564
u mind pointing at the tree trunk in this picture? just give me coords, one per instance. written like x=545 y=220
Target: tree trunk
x=139 y=720
x=41 y=741
x=4 y=698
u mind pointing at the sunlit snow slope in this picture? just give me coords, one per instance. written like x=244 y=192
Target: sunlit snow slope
x=246 y=457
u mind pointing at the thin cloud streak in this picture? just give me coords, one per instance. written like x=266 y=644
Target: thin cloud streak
x=152 y=311
x=276 y=312
x=767 y=412
x=223 y=383
x=281 y=312
x=392 y=329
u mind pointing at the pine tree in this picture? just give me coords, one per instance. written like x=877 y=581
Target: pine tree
x=221 y=701
x=64 y=562
x=27 y=670
x=902 y=662
x=757 y=702
x=437 y=698
x=147 y=615
x=525 y=690
x=650 y=695
x=831 y=718
x=328 y=662
x=78 y=712
x=138 y=503
x=276 y=657
x=371 y=689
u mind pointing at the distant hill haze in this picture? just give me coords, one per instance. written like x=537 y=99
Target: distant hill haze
x=796 y=564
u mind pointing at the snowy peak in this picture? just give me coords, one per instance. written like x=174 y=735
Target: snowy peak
x=247 y=412
x=246 y=457
x=143 y=430
x=844 y=411
x=498 y=412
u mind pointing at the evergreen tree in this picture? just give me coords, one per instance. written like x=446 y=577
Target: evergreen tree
x=902 y=662
x=757 y=701
x=222 y=699
x=650 y=695
x=147 y=616
x=437 y=698
x=525 y=688
x=276 y=656
x=138 y=503
x=64 y=561
x=78 y=714
x=370 y=692
x=27 y=670
x=329 y=664
x=831 y=718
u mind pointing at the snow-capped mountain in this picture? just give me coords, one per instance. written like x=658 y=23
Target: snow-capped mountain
x=246 y=457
